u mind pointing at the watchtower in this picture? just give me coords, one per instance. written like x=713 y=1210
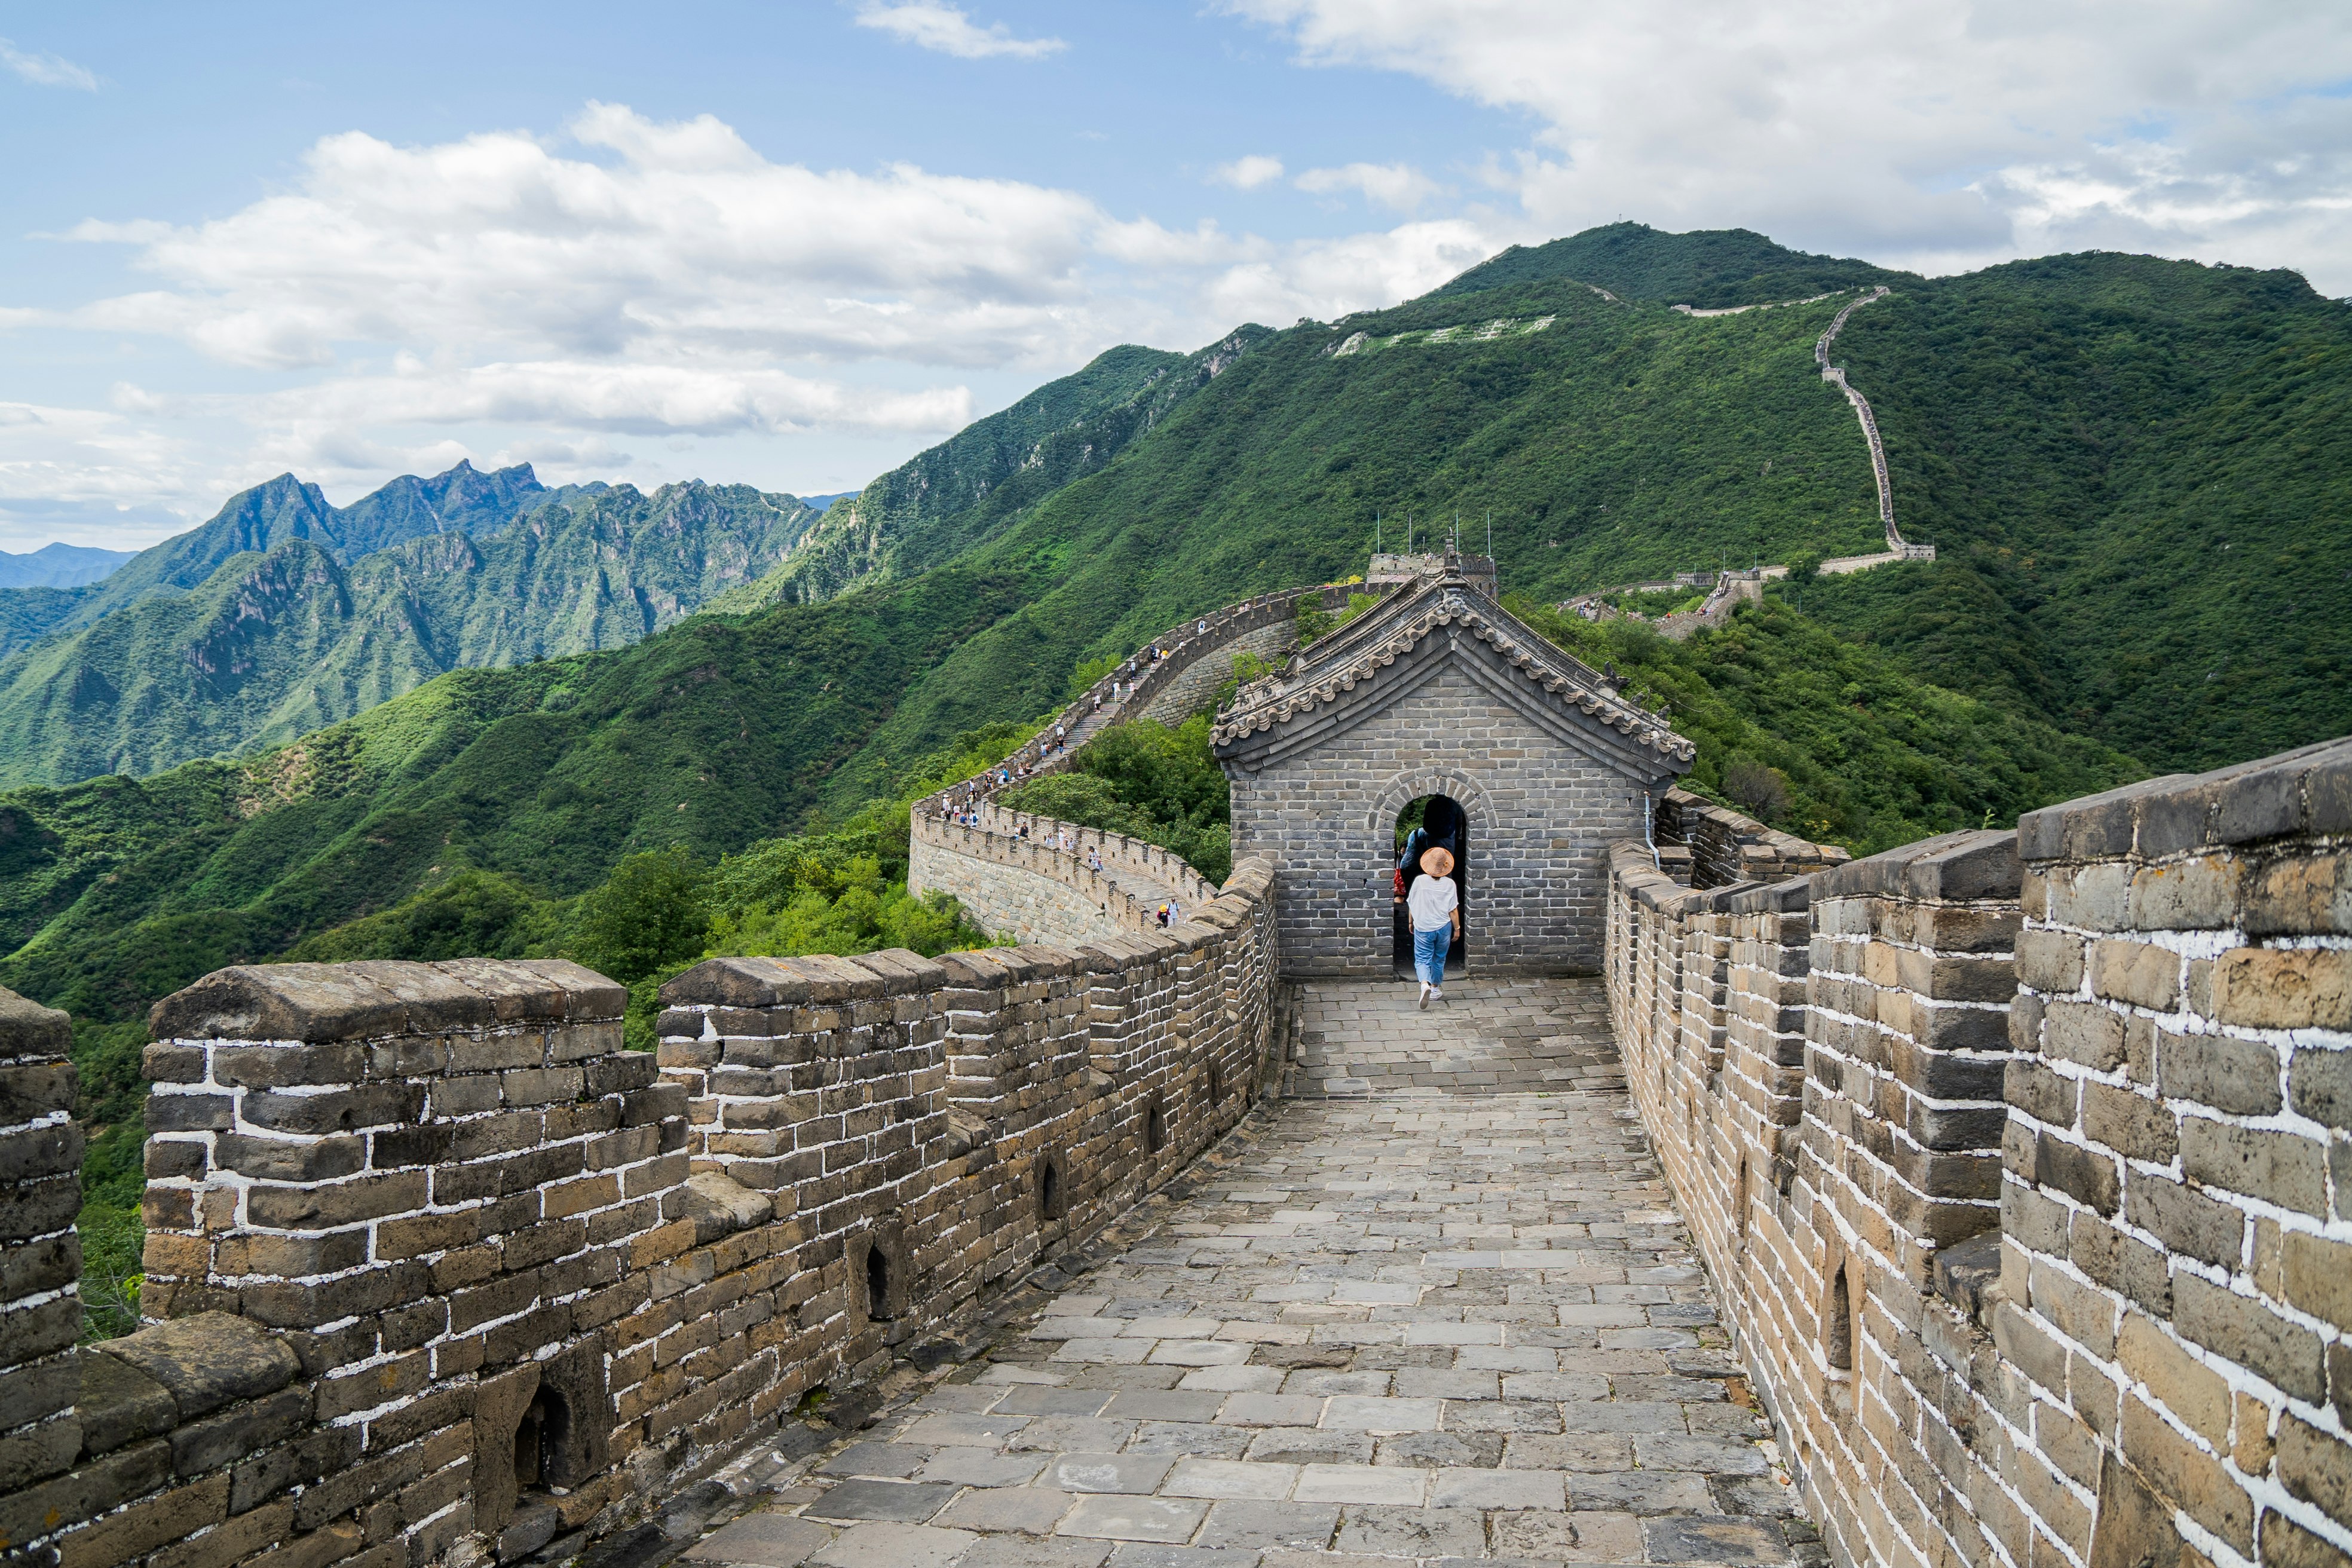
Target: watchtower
x=1440 y=692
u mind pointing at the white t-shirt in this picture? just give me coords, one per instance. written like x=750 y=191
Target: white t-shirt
x=1432 y=902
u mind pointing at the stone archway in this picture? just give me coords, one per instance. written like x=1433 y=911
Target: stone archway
x=1459 y=787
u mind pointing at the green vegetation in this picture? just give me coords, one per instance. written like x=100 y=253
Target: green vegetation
x=274 y=644
x=1314 y=621
x=1832 y=740
x=971 y=487
x=254 y=521
x=2135 y=475
x=1149 y=782
x=1708 y=268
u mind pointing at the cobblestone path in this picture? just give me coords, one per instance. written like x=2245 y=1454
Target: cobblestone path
x=1430 y=1327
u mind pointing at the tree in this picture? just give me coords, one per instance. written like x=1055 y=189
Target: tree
x=650 y=914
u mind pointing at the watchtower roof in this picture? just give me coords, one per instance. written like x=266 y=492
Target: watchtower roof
x=1452 y=610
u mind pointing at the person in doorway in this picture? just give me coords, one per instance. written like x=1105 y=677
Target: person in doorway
x=1441 y=829
x=1436 y=910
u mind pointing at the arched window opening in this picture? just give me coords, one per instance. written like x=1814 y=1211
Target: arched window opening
x=1049 y=1191
x=1431 y=822
x=538 y=1441
x=1216 y=1087
x=877 y=1281
x=1837 y=1323
x=1155 y=1130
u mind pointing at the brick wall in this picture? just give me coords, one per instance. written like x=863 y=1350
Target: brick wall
x=437 y=1271
x=2014 y=1159
x=1727 y=848
x=1031 y=878
x=1541 y=814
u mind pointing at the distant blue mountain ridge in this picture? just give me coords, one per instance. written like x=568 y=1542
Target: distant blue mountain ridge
x=463 y=500
x=60 y=566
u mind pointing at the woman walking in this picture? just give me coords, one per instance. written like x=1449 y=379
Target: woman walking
x=1436 y=911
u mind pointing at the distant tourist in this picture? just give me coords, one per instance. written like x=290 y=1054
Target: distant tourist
x=1093 y=859
x=1436 y=910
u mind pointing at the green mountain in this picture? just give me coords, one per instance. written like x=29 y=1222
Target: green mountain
x=463 y=500
x=1610 y=439
x=2138 y=477
x=1708 y=268
x=278 y=642
x=972 y=486
x=60 y=566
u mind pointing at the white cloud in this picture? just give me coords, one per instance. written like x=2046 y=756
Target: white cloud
x=1934 y=136
x=652 y=281
x=46 y=71
x=946 y=30
x=1398 y=185
x=1247 y=173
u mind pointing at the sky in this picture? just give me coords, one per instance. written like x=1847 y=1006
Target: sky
x=791 y=244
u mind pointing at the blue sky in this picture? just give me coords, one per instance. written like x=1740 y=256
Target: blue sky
x=791 y=244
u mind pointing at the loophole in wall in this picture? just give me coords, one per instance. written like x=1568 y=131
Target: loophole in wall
x=1050 y=1198
x=1155 y=1129
x=877 y=1281
x=1837 y=1323
x=540 y=1436
x=1216 y=1087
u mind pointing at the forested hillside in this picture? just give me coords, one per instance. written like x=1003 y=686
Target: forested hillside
x=2138 y=474
x=275 y=643
x=968 y=488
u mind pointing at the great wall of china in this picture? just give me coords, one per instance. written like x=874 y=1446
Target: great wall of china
x=2016 y=1160
x=1728 y=590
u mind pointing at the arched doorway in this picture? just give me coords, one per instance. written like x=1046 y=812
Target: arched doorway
x=1427 y=820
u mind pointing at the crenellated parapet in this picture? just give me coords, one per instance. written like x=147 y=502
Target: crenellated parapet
x=439 y=1272
x=2018 y=1161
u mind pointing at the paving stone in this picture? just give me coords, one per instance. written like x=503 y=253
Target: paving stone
x=900 y=1459
x=767 y=1540
x=1245 y=1525
x=1131 y=1473
x=1357 y=1413
x=1386 y=1532
x=909 y=1502
x=1034 y=1510
x=1115 y=1518
x=1181 y=1438
x=1360 y=1483
x=978 y=1467
x=893 y=1546
x=1229 y=1478
x=1044 y=1401
x=1164 y=1404
x=1712 y=1539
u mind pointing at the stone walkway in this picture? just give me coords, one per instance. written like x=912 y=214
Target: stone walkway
x=1442 y=1326
x=1488 y=1036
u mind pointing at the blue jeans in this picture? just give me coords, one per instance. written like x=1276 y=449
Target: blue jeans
x=1429 y=954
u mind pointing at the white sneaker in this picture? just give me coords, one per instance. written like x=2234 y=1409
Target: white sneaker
x=1424 y=996
x=1436 y=994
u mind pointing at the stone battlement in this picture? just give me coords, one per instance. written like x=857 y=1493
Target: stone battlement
x=436 y=1270
x=2017 y=1159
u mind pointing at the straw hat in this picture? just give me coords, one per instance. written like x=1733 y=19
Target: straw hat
x=1438 y=861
